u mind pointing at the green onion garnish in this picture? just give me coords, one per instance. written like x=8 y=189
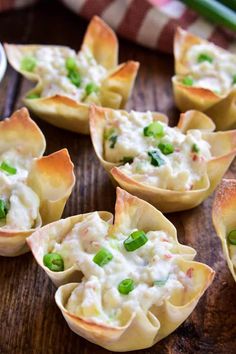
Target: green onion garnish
x=8 y=168
x=54 y=262
x=187 y=80
x=160 y=282
x=75 y=78
x=204 y=57
x=127 y=159
x=71 y=64
x=33 y=95
x=166 y=149
x=113 y=140
x=90 y=88
x=155 y=129
x=28 y=63
x=232 y=237
x=108 y=132
x=3 y=209
x=102 y=257
x=195 y=148
x=156 y=160
x=234 y=80
x=126 y=286
x=136 y=240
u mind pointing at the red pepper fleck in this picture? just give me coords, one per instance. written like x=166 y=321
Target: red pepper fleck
x=195 y=157
x=167 y=256
x=189 y=272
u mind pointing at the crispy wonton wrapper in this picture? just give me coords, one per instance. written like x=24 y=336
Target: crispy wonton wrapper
x=223 y=149
x=223 y=215
x=220 y=107
x=139 y=329
x=65 y=112
x=51 y=177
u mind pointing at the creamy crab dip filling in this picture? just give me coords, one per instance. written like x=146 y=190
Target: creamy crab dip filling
x=123 y=271
x=19 y=204
x=231 y=239
x=210 y=67
x=66 y=73
x=154 y=153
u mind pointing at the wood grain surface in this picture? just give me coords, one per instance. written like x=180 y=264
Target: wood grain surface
x=30 y=320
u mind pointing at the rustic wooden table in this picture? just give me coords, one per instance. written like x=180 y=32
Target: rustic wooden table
x=30 y=319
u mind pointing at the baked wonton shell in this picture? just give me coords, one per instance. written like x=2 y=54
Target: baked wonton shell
x=51 y=177
x=65 y=112
x=142 y=330
x=221 y=108
x=223 y=216
x=164 y=199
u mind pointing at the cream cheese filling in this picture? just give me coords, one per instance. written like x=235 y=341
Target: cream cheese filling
x=179 y=170
x=22 y=203
x=51 y=67
x=217 y=72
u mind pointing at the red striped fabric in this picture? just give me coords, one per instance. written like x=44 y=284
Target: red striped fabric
x=151 y=23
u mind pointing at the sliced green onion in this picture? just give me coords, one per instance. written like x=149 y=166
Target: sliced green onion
x=155 y=129
x=113 y=140
x=3 y=209
x=136 y=240
x=232 y=237
x=8 y=168
x=160 y=282
x=204 y=57
x=195 y=148
x=127 y=159
x=28 y=63
x=156 y=160
x=187 y=80
x=166 y=149
x=126 y=286
x=90 y=88
x=102 y=257
x=71 y=64
x=33 y=95
x=108 y=133
x=75 y=78
x=54 y=262
x=234 y=80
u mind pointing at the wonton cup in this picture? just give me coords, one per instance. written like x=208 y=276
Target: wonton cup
x=50 y=177
x=223 y=216
x=223 y=149
x=220 y=107
x=140 y=329
x=65 y=112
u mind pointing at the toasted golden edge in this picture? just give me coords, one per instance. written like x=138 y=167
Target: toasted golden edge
x=21 y=129
x=102 y=42
x=37 y=242
x=52 y=178
x=223 y=216
x=168 y=200
x=189 y=97
x=151 y=327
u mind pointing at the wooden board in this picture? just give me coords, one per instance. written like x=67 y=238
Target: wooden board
x=30 y=320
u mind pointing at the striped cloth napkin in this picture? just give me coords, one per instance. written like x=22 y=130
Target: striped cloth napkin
x=151 y=23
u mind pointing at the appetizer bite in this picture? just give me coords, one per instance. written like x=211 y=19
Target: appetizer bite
x=172 y=168
x=223 y=215
x=67 y=82
x=33 y=189
x=205 y=79
x=137 y=282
